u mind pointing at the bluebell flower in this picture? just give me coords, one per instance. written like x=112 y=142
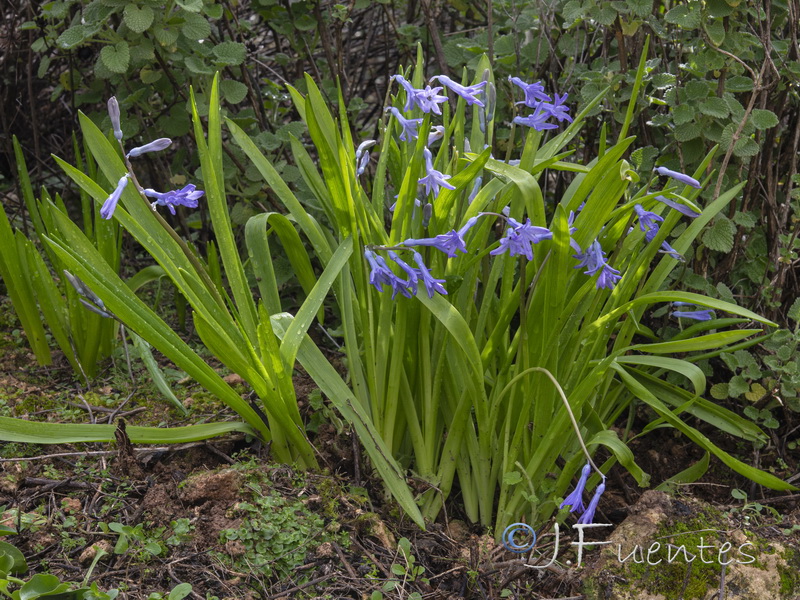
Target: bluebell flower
x=679 y=207
x=434 y=179
x=411 y=272
x=429 y=99
x=698 y=315
x=110 y=205
x=608 y=278
x=647 y=222
x=575 y=499
x=667 y=249
x=431 y=285
x=188 y=197
x=537 y=120
x=468 y=92
x=534 y=92
x=681 y=177
x=594 y=259
x=410 y=91
x=558 y=110
x=154 y=146
x=427 y=213
x=381 y=274
x=362 y=156
x=409 y=125
x=520 y=238
x=113 y=114
x=588 y=516
x=449 y=243
x=437 y=133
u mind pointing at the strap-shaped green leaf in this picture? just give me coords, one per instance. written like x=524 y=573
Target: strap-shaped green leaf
x=641 y=392
x=35 y=432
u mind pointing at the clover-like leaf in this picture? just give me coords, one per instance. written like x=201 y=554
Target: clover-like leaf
x=138 y=19
x=117 y=57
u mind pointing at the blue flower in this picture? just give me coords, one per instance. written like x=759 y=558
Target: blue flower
x=410 y=91
x=154 y=146
x=679 y=207
x=362 y=157
x=588 y=516
x=681 y=177
x=698 y=315
x=184 y=197
x=429 y=99
x=409 y=125
x=647 y=222
x=381 y=274
x=113 y=114
x=537 y=120
x=431 y=285
x=449 y=243
x=411 y=272
x=534 y=92
x=608 y=278
x=594 y=259
x=437 y=133
x=575 y=499
x=667 y=249
x=434 y=179
x=557 y=110
x=110 y=205
x=468 y=92
x=520 y=238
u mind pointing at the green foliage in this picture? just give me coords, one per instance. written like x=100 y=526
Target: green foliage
x=276 y=533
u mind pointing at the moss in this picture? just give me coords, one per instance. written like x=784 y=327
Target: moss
x=689 y=580
x=789 y=573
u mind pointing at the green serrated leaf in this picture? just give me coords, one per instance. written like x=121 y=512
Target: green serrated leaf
x=195 y=27
x=737 y=386
x=719 y=236
x=715 y=30
x=305 y=23
x=794 y=311
x=683 y=113
x=756 y=392
x=744 y=219
x=715 y=107
x=166 y=36
x=745 y=147
x=739 y=83
x=116 y=58
x=193 y=6
x=197 y=65
x=696 y=90
x=233 y=91
x=138 y=19
x=725 y=293
x=719 y=391
x=683 y=16
x=686 y=132
x=763 y=119
x=72 y=37
x=230 y=53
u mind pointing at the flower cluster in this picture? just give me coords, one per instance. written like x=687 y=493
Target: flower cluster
x=544 y=107
x=575 y=499
x=184 y=197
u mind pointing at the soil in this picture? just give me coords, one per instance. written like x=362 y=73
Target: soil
x=194 y=501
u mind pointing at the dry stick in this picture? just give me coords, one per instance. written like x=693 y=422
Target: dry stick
x=437 y=41
x=737 y=133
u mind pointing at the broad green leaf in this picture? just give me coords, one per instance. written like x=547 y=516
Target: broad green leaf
x=332 y=385
x=763 y=119
x=230 y=53
x=689 y=475
x=233 y=91
x=692 y=372
x=138 y=19
x=35 y=432
x=698 y=438
x=195 y=27
x=117 y=57
x=18 y=563
x=623 y=454
x=703 y=342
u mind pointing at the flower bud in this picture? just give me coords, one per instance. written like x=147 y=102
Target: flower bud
x=113 y=114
